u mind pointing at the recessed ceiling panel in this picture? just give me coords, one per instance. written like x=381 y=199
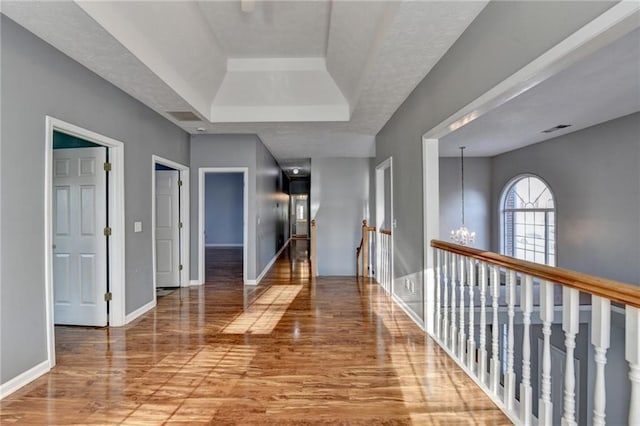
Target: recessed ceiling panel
x=271 y=29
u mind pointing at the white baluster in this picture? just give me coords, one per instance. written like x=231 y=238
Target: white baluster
x=471 y=341
x=385 y=282
x=444 y=331
x=482 y=353
x=385 y=254
x=494 y=370
x=462 y=339
x=387 y=277
x=510 y=375
x=526 y=303
x=453 y=332
x=570 y=315
x=632 y=354
x=387 y=245
x=600 y=335
x=545 y=406
x=437 y=258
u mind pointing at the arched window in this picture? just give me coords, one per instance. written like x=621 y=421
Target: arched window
x=529 y=221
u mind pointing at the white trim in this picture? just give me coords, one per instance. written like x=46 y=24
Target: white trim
x=269 y=265
x=379 y=206
x=620 y=19
x=195 y=283
x=140 y=311
x=116 y=222
x=223 y=245
x=202 y=171
x=430 y=223
x=24 y=379
x=185 y=215
x=407 y=310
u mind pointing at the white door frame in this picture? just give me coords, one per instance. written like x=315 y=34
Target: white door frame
x=202 y=171
x=430 y=224
x=116 y=266
x=185 y=208
x=380 y=210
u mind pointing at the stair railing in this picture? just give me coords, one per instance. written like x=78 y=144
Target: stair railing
x=384 y=258
x=478 y=330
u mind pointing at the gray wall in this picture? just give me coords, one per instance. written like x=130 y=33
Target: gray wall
x=224 y=151
x=38 y=80
x=223 y=209
x=477 y=198
x=271 y=206
x=339 y=202
x=266 y=200
x=502 y=39
x=595 y=176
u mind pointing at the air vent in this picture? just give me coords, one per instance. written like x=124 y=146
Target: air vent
x=555 y=128
x=183 y=115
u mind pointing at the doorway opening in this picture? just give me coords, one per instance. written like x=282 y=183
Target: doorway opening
x=169 y=225
x=384 y=225
x=300 y=216
x=84 y=229
x=223 y=223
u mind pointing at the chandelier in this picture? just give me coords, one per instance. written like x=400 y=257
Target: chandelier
x=462 y=235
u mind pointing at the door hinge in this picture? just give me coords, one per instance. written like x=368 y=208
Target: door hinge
x=180 y=268
x=107 y=231
x=179 y=183
x=107 y=167
x=180 y=225
x=108 y=296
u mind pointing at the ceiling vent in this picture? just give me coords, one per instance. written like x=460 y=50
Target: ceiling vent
x=183 y=115
x=555 y=128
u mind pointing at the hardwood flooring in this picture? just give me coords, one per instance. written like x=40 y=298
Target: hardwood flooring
x=289 y=351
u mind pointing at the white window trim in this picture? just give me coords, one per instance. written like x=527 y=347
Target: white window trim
x=501 y=210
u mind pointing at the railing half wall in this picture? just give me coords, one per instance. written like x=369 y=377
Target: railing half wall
x=477 y=297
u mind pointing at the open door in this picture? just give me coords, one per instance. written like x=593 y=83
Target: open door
x=80 y=236
x=167 y=228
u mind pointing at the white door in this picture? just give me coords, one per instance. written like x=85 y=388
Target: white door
x=79 y=244
x=167 y=229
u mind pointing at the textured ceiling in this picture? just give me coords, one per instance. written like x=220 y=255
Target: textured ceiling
x=598 y=88
x=375 y=52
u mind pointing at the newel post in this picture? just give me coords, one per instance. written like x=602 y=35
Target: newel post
x=365 y=249
x=314 y=262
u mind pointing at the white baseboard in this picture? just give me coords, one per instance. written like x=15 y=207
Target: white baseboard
x=195 y=282
x=139 y=312
x=23 y=379
x=407 y=310
x=223 y=245
x=269 y=265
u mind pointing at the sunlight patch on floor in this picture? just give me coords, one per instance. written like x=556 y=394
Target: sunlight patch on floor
x=265 y=313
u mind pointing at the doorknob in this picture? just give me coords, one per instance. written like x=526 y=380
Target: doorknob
x=54 y=247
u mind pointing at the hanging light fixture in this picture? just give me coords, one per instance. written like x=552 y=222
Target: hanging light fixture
x=462 y=235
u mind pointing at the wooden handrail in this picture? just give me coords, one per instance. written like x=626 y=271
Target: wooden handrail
x=616 y=291
x=385 y=231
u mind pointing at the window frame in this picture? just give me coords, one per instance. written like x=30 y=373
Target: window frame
x=502 y=210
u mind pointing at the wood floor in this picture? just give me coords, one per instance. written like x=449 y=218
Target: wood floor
x=289 y=351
